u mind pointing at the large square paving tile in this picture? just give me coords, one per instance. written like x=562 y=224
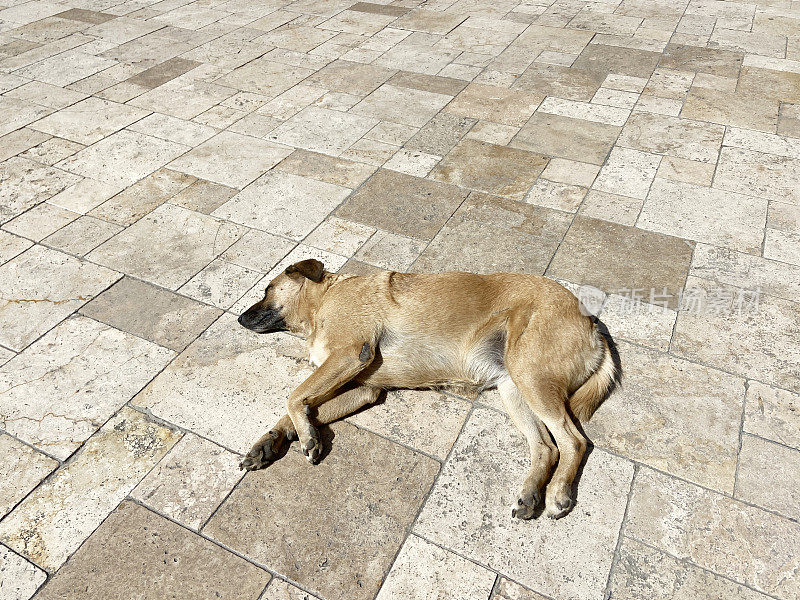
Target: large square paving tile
x=402 y=204
x=565 y=137
x=469 y=512
x=186 y=242
x=40 y=287
x=58 y=392
x=380 y=487
x=138 y=554
x=401 y=105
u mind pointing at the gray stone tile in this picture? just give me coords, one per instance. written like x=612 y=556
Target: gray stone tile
x=22 y=469
x=402 y=204
x=621 y=259
x=151 y=313
x=766 y=473
x=163 y=72
x=440 y=134
x=81 y=235
x=187 y=242
x=489 y=234
x=469 y=512
x=675 y=416
x=40 y=288
x=382 y=486
x=135 y=547
x=56 y=394
x=191 y=481
x=53 y=521
x=692 y=523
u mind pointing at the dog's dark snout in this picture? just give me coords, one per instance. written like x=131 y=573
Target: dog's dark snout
x=262 y=320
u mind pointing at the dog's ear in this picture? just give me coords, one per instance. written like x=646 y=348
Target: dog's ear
x=310 y=268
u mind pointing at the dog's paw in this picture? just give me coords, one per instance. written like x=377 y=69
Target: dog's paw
x=526 y=506
x=263 y=453
x=558 y=502
x=312 y=447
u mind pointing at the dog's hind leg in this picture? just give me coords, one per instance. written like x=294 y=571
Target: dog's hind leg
x=544 y=453
x=272 y=445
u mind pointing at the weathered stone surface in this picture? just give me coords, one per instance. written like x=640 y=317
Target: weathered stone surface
x=22 y=468
x=19 y=579
x=469 y=512
x=766 y=473
x=55 y=519
x=136 y=553
x=26 y=183
x=565 y=137
x=773 y=414
x=380 y=488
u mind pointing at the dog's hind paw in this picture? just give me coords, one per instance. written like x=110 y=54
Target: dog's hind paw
x=558 y=503
x=263 y=453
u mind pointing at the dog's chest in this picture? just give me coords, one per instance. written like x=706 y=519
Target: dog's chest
x=317 y=353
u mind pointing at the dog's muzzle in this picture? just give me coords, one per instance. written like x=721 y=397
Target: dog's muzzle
x=262 y=320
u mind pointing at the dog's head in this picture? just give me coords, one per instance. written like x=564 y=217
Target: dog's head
x=279 y=310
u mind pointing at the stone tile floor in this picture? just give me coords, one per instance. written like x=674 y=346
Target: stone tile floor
x=160 y=161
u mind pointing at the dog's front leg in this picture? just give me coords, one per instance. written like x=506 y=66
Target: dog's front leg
x=342 y=364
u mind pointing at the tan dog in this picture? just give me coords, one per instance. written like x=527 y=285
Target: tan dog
x=523 y=334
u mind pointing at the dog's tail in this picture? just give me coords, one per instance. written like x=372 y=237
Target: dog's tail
x=587 y=398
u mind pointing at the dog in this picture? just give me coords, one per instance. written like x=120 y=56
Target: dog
x=523 y=334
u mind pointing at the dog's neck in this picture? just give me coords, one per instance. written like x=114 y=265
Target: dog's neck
x=311 y=297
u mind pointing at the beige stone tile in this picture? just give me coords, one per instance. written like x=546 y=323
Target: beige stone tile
x=122 y=158
x=59 y=392
x=673 y=415
x=401 y=105
x=339 y=236
x=370 y=152
x=203 y=196
x=20 y=578
x=11 y=246
x=560 y=196
x=618 y=98
x=289 y=102
x=151 y=313
x=184 y=97
x=430 y=21
x=40 y=288
x=361 y=465
x=510 y=590
x=390 y=251
x=66 y=68
x=758 y=173
x=281 y=590
x=564 y=137
x=468 y=512
x=16 y=113
x=265 y=77
x=625 y=83
x=402 y=204
x=187 y=242
x=570 y=172
x=325 y=168
x=84 y=195
x=141 y=198
x=440 y=134
x=163 y=72
x=492 y=133
x=490 y=234
x=423 y=570
x=598 y=113
x=40 y=221
x=686 y=171
x=659 y=106
x=258 y=251
x=715 y=61
x=230 y=159
x=705 y=214
x=135 y=547
x=563 y=82
x=221 y=283
x=789 y=120
x=628 y=173
x=618 y=259
x=52 y=96
x=27 y=183
x=644 y=572
x=191 y=481
x=22 y=469
x=672 y=136
x=173 y=129
x=490 y=168
x=392 y=133
x=20 y=140
x=765 y=476
x=496 y=104
x=437 y=420
x=773 y=414
x=776 y=85
x=350 y=77
x=782 y=245
x=639 y=321
x=53 y=521
x=89 y=121
x=412 y=162
x=692 y=523
x=221 y=400
x=751 y=111
x=746 y=271
x=51 y=151
x=732 y=330
x=285 y=204
x=322 y=130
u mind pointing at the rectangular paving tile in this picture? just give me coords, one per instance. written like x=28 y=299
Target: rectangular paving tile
x=27 y=183
x=674 y=415
x=704 y=214
x=81 y=236
x=230 y=159
x=627 y=173
x=401 y=105
x=40 y=288
x=490 y=168
x=322 y=130
x=20 y=579
x=183 y=97
x=283 y=204
x=22 y=468
x=565 y=137
x=672 y=136
x=89 y=121
x=402 y=204
x=265 y=77
x=187 y=242
x=489 y=234
x=163 y=72
x=765 y=470
x=757 y=173
x=560 y=81
x=151 y=313
x=58 y=392
x=494 y=103
x=53 y=521
x=469 y=512
x=135 y=547
x=350 y=77
x=752 y=111
x=715 y=61
x=621 y=259
x=438 y=136
x=773 y=414
x=692 y=523
x=360 y=465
